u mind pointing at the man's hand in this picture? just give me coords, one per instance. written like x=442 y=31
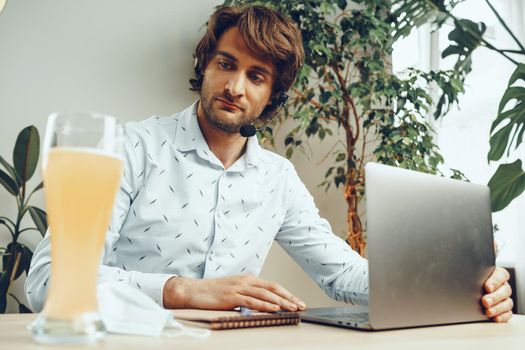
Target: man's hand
x=497 y=301
x=227 y=293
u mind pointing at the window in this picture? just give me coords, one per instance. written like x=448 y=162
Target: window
x=463 y=135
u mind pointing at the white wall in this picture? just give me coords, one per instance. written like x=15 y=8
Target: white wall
x=128 y=58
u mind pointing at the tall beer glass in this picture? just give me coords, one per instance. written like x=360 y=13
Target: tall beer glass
x=82 y=167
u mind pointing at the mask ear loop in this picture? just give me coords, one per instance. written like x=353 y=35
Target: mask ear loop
x=178 y=329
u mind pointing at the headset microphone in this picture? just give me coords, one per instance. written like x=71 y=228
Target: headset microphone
x=250 y=130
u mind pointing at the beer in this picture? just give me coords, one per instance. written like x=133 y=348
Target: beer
x=80 y=186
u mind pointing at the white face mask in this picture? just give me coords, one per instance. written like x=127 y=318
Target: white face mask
x=127 y=310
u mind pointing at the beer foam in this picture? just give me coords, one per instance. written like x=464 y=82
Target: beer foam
x=90 y=150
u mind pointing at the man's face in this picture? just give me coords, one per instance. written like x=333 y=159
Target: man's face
x=237 y=84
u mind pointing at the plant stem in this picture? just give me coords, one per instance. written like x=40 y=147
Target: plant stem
x=501 y=52
x=514 y=51
x=29 y=229
x=17 y=200
x=505 y=26
x=13 y=272
x=29 y=197
x=303 y=97
x=330 y=151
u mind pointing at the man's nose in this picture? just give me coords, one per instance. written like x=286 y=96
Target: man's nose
x=236 y=85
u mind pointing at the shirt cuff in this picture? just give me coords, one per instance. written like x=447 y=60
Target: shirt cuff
x=151 y=284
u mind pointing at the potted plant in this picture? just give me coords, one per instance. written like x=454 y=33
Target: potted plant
x=347 y=82
x=16 y=257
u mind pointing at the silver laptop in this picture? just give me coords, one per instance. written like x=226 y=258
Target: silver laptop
x=430 y=250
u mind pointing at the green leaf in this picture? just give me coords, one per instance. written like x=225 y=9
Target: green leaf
x=512 y=93
x=289 y=152
x=340 y=157
x=510 y=122
x=498 y=142
x=10 y=170
x=26 y=152
x=8 y=183
x=507 y=183
x=466 y=37
x=39 y=187
x=410 y=14
x=322 y=133
x=40 y=219
x=517 y=74
x=329 y=172
x=27 y=256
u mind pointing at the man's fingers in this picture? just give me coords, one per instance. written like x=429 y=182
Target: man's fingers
x=503 y=317
x=268 y=296
x=280 y=291
x=502 y=293
x=257 y=304
x=499 y=277
x=501 y=308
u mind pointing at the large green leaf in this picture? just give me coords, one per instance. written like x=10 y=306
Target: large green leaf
x=40 y=218
x=26 y=152
x=8 y=183
x=507 y=183
x=410 y=14
x=509 y=126
x=465 y=38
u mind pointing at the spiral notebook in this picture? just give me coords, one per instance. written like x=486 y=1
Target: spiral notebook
x=232 y=319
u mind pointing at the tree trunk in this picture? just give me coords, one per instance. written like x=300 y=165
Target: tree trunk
x=355 y=228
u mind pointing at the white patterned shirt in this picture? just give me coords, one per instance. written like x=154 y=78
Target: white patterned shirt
x=179 y=212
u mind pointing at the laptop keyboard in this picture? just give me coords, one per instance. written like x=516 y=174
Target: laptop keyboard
x=354 y=317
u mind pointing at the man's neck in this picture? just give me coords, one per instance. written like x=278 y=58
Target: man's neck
x=226 y=147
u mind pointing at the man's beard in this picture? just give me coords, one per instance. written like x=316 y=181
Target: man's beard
x=230 y=125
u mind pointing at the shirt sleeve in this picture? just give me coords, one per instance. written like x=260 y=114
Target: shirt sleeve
x=327 y=259
x=152 y=284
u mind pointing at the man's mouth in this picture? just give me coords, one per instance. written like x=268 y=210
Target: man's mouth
x=229 y=105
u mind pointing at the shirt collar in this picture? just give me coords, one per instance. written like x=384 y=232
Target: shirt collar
x=189 y=137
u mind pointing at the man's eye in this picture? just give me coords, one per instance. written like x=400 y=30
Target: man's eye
x=256 y=78
x=224 y=65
